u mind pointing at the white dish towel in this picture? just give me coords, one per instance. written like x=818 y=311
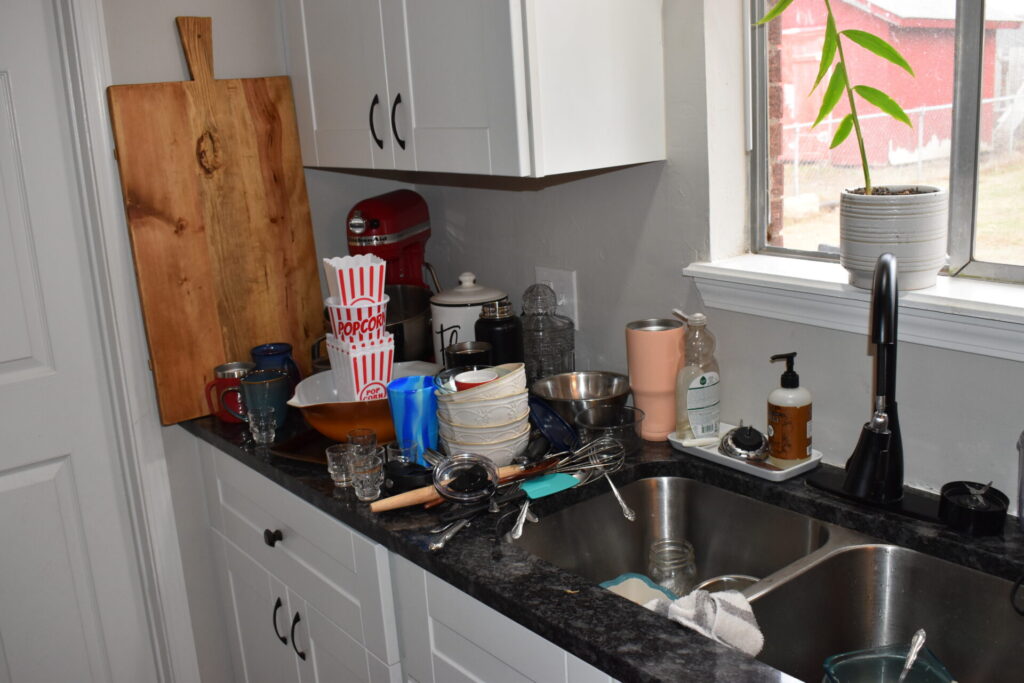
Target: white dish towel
x=724 y=616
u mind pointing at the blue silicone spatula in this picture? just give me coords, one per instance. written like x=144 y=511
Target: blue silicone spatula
x=539 y=487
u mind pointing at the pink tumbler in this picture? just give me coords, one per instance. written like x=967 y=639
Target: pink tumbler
x=654 y=353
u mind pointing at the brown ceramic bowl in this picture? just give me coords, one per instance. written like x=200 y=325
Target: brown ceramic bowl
x=318 y=400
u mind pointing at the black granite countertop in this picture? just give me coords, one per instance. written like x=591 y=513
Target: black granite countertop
x=615 y=635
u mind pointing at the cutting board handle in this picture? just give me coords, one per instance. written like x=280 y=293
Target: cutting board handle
x=197 y=40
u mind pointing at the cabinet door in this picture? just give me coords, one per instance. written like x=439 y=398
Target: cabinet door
x=465 y=66
x=259 y=618
x=349 y=105
x=447 y=636
x=331 y=654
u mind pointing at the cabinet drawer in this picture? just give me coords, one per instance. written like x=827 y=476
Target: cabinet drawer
x=342 y=573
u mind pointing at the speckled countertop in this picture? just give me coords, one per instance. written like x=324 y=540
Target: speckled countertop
x=618 y=637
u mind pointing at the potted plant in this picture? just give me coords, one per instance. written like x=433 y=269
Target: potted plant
x=909 y=221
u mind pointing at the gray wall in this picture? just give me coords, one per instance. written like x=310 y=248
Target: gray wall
x=628 y=232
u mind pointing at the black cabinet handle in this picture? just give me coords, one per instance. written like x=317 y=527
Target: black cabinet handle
x=295 y=621
x=272 y=537
x=373 y=131
x=394 y=128
x=277 y=606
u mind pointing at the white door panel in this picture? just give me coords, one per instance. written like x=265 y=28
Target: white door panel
x=69 y=582
x=23 y=344
x=45 y=578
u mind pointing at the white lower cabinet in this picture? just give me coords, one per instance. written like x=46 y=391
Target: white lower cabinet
x=258 y=616
x=308 y=599
x=446 y=636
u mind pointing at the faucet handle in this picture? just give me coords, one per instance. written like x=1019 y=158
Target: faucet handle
x=880 y=419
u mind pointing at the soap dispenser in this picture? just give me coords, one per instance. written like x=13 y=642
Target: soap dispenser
x=789 y=418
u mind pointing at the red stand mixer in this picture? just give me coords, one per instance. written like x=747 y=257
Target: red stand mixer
x=395 y=227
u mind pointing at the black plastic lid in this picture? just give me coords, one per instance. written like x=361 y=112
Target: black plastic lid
x=790 y=380
x=747 y=438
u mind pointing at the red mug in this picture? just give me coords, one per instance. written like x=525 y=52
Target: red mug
x=227 y=390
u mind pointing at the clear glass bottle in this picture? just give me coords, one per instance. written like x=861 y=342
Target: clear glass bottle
x=672 y=565
x=548 y=338
x=697 y=383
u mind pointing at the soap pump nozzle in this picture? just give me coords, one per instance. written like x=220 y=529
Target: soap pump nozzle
x=789 y=380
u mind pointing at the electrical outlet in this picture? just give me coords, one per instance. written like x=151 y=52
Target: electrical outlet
x=564 y=284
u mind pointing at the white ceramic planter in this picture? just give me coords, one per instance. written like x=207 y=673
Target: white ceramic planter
x=913 y=227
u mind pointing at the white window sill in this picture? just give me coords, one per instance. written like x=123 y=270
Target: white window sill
x=974 y=316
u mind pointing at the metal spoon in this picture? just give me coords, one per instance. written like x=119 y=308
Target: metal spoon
x=627 y=511
x=916 y=643
x=517 y=530
x=446 y=535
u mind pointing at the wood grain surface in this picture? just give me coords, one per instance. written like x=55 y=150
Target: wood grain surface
x=216 y=202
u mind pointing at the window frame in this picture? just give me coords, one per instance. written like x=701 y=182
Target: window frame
x=963 y=184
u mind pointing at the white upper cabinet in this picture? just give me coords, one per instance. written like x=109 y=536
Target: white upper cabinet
x=489 y=87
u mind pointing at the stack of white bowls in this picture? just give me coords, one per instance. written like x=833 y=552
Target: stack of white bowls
x=492 y=419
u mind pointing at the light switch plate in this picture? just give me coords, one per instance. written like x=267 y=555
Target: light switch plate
x=564 y=284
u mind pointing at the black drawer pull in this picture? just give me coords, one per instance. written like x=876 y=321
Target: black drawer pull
x=277 y=606
x=373 y=130
x=295 y=621
x=272 y=537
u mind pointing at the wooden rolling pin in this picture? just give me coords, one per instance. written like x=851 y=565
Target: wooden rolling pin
x=429 y=494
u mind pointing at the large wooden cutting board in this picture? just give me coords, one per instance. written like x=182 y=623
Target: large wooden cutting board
x=216 y=201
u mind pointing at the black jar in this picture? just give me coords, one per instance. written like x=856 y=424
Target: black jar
x=502 y=329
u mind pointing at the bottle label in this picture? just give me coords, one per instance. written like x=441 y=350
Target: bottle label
x=789 y=432
x=702 y=404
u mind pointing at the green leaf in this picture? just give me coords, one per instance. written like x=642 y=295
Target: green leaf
x=833 y=93
x=842 y=132
x=873 y=43
x=883 y=102
x=775 y=11
x=828 y=50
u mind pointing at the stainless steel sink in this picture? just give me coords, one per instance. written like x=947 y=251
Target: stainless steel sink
x=870 y=595
x=730 y=533
x=823 y=589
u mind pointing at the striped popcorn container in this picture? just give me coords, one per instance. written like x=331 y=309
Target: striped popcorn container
x=361 y=370
x=358 y=323
x=355 y=280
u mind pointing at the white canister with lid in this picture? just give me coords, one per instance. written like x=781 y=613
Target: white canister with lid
x=454 y=312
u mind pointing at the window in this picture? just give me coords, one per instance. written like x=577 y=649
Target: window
x=966 y=106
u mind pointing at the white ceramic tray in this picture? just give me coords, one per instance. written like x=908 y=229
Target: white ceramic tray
x=767 y=471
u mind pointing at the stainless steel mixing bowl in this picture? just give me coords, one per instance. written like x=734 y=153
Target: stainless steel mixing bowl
x=572 y=392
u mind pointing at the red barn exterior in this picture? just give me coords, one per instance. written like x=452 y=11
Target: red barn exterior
x=922 y=35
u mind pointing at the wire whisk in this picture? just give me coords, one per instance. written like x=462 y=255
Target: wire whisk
x=601 y=455
x=595 y=459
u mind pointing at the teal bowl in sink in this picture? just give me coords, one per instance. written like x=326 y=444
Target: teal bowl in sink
x=884 y=664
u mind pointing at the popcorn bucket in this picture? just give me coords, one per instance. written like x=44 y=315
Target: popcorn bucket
x=361 y=370
x=358 y=323
x=355 y=279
